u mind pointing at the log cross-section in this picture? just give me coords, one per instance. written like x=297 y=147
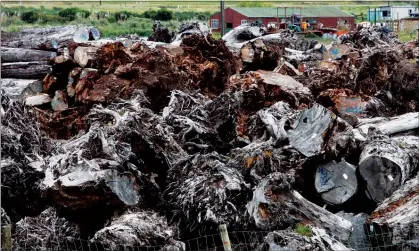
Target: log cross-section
x=336 y=182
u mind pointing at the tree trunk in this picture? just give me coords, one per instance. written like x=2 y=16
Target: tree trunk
x=336 y=182
x=400 y=213
x=388 y=126
x=17 y=88
x=85 y=56
x=49 y=38
x=27 y=55
x=25 y=70
x=385 y=167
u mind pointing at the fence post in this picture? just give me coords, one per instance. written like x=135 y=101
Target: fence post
x=225 y=238
x=6 y=238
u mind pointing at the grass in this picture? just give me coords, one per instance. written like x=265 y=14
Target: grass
x=407 y=36
x=134 y=25
x=132 y=7
x=304 y=230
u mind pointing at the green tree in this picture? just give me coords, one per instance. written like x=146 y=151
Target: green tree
x=30 y=16
x=69 y=14
x=164 y=15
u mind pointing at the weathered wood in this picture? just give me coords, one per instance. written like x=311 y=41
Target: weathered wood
x=49 y=38
x=287 y=84
x=36 y=100
x=6 y=237
x=242 y=34
x=17 y=88
x=400 y=213
x=388 y=126
x=85 y=56
x=384 y=166
x=336 y=182
x=273 y=205
x=25 y=70
x=25 y=55
x=309 y=130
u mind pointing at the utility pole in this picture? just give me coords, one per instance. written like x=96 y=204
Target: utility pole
x=222 y=17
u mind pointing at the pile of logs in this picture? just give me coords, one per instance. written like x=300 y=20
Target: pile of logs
x=169 y=140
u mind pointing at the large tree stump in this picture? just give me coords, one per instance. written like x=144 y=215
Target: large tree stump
x=336 y=182
x=385 y=167
x=25 y=70
x=27 y=55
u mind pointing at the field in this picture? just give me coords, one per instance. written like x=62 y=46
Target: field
x=182 y=11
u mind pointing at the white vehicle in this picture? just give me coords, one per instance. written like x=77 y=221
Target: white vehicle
x=365 y=24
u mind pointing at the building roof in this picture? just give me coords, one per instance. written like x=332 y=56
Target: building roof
x=312 y=11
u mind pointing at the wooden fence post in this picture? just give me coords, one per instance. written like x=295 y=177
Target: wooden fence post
x=225 y=238
x=6 y=238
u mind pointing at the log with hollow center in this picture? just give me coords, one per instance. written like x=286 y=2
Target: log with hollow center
x=385 y=167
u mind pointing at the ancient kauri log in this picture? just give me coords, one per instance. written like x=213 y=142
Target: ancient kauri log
x=384 y=166
x=25 y=70
x=400 y=213
x=336 y=182
x=388 y=126
x=25 y=55
x=85 y=56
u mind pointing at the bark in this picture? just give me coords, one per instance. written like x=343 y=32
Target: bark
x=25 y=70
x=85 y=56
x=384 y=166
x=400 y=213
x=336 y=182
x=388 y=126
x=50 y=38
x=18 y=88
x=25 y=55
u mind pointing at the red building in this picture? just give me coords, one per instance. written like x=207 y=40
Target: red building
x=329 y=16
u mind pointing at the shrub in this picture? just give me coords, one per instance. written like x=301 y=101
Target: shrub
x=30 y=16
x=164 y=15
x=150 y=14
x=69 y=14
x=303 y=230
x=123 y=15
x=84 y=13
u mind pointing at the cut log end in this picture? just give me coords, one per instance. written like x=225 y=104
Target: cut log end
x=336 y=182
x=382 y=175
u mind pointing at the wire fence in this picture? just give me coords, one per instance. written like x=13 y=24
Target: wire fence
x=363 y=238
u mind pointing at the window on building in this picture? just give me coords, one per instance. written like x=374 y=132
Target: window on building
x=244 y=22
x=214 y=23
x=386 y=13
